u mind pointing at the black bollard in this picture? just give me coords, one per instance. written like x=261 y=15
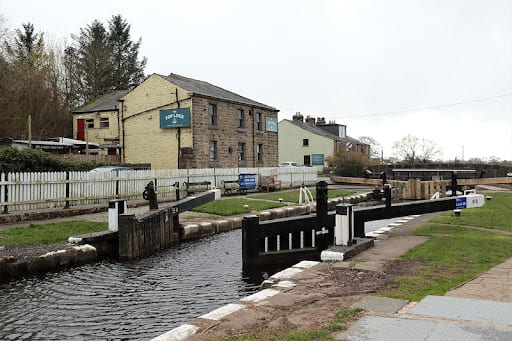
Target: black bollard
x=387 y=195
x=383 y=176
x=150 y=194
x=454 y=184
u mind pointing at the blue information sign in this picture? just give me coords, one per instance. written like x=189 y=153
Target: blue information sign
x=175 y=118
x=271 y=124
x=461 y=203
x=317 y=159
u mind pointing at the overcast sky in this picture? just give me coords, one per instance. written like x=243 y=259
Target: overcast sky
x=365 y=64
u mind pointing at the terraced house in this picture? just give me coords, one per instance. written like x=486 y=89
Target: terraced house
x=178 y=122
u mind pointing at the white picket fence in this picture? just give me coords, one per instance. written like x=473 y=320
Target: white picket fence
x=41 y=190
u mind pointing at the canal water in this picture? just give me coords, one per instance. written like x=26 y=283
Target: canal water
x=135 y=300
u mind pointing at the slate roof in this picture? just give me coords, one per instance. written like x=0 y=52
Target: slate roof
x=319 y=131
x=206 y=89
x=107 y=102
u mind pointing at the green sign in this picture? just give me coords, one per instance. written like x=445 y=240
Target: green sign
x=317 y=159
x=271 y=124
x=175 y=118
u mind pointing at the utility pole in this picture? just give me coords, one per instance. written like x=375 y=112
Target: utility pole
x=29 y=124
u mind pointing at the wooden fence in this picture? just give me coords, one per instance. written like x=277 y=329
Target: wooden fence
x=32 y=191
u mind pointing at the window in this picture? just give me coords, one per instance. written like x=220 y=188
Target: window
x=259 y=152
x=212 y=112
x=307 y=160
x=241 y=119
x=104 y=123
x=305 y=142
x=241 y=151
x=89 y=123
x=213 y=151
x=259 y=122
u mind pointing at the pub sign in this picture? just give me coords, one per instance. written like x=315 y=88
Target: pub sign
x=175 y=118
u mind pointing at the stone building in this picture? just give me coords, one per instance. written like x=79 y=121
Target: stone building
x=178 y=122
x=99 y=123
x=309 y=141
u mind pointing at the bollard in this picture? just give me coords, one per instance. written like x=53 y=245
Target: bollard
x=454 y=184
x=383 y=176
x=150 y=194
x=115 y=209
x=387 y=195
x=344 y=228
x=456 y=212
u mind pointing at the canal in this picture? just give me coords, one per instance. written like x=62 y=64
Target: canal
x=135 y=300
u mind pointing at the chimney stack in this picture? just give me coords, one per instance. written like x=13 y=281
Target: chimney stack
x=310 y=120
x=320 y=120
x=298 y=117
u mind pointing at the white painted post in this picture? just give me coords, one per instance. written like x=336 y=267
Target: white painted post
x=115 y=209
x=278 y=242
x=344 y=224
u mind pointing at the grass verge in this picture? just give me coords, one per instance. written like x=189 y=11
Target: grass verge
x=49 y=233
x=339 y=323
x=495 y=214
x=234 y=206
x=452 y=256
x=293 y=196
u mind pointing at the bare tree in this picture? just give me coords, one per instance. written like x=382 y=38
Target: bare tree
x=375 y=146
x=30 y=84
x=412 y=149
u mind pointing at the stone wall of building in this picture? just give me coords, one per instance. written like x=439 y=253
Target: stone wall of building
x=228 y=136
x=146 y=142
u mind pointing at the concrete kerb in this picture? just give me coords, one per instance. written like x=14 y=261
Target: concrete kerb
x=278 y=283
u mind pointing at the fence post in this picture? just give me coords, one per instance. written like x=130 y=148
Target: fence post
x=249 y=237
x=344 y=227
x=4 y=192
x=67 y=190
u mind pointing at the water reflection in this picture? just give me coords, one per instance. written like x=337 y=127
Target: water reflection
x=128 y=301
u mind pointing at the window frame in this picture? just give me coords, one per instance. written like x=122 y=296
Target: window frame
x=305 y=142
x=212 y=115
x=89 y=123
x=214 y=150
x=102 y=122
x=241 y=152
x=240 y=118
x=259 y=152
x=259 y=121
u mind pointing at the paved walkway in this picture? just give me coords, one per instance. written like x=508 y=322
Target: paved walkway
x=480 y=309
x=494 y=285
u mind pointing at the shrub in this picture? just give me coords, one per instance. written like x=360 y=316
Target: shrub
x=35 y=160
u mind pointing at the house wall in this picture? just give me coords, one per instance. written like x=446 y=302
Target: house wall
x=291 y=143
x=144 y=141
x=98 y=134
